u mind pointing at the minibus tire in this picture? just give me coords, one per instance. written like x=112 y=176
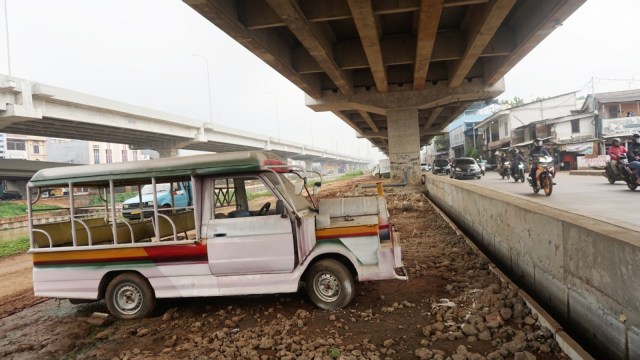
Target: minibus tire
x=129 y=296
x=330 y=284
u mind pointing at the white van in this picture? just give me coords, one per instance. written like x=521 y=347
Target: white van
x=248 y=230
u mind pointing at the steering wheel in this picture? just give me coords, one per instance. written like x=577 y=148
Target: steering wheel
x=263 y=210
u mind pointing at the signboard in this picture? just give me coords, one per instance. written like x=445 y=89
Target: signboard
x=592 y=161
x=581 y=148
x=621 y=126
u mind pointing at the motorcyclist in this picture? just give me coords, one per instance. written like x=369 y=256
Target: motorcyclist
x=614 y=154
x=502 y=160
x=634 y=155
x=516 y=158
x=536 y=151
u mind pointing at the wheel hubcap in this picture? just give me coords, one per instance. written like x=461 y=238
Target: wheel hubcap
x=128 y=299
x=327 y=287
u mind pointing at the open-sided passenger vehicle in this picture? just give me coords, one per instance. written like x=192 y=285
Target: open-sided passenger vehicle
x=251 y=227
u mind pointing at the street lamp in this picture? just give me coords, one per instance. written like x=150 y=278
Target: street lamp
x=206 y=62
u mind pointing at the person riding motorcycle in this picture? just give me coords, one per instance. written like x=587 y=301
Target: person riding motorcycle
x=535 y=152
x=614 y=154
x=502 y=160
x=516 y=158
x=633 y=154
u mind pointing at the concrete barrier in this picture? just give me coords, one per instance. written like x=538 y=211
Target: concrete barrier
x=586 y=272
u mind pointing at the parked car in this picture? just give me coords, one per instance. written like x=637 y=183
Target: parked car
x=11 y=195
x=490 y=166
x=181 y=196
x=465 y=167
x=440 y=166
x=425 y=167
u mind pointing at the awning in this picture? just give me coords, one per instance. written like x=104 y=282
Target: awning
x=499 y=144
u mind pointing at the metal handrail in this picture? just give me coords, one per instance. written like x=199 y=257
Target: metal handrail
x=47 y=234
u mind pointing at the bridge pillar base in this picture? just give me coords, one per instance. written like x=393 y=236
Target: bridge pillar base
x=404 y=144
x=167 y=153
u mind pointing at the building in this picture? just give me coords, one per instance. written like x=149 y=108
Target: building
x=496 y=132
x=91 y=152
x=24 y=147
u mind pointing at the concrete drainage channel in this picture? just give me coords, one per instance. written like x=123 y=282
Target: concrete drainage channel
x=564 y=340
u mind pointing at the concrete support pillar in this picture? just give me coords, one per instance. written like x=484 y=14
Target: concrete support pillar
x=308 y=165
x=167 y=153
x=404 y=144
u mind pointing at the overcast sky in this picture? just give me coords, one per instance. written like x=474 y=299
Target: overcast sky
x=140 y=52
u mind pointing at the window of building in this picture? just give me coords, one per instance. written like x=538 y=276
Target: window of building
x=96 y=155
x=16 y=145
x=506 y=129
x=532 y=132
x=36 y=148
x=125 y=156
x=575 y=126
x=135 y=155
x=108 y=156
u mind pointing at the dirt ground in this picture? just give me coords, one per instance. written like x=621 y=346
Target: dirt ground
x=452 y=307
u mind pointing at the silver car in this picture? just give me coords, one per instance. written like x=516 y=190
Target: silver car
x=465 y=167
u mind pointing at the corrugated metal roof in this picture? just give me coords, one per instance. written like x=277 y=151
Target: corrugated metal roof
x=618 y=96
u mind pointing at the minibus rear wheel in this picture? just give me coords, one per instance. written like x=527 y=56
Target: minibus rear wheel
x=330 y=284
x=129 y=296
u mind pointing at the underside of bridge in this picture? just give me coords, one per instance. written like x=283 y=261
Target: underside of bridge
x=397 y=71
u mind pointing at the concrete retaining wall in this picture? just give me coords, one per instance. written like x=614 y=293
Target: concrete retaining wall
x=585 y=271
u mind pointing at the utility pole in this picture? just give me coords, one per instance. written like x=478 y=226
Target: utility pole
x=6 y=24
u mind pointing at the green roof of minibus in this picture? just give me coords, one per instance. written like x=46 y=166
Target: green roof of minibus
x=207 y=164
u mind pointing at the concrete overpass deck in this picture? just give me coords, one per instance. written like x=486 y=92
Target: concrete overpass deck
x=31 y=108
x=398 y=72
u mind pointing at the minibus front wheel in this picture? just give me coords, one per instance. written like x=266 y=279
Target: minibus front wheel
x=129 y=296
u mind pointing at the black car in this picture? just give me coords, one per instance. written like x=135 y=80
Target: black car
x=440 y=166
x=465 y=168
x=11 y=195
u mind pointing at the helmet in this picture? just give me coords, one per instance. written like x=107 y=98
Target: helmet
x=537 y=142
x=636 y=138
x=616 y=140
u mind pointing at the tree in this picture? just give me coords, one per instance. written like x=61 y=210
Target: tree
x=441 y=142
x=516 y=101
x=472 y=152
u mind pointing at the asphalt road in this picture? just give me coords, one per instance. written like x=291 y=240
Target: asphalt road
x=590 y=196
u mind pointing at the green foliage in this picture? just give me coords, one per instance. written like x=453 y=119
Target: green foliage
x=12 y=209
x=473 y=153
x=441 y=142
x=257 y=194
x=516 y=101
x=120 y=197
x=349 y=175
x=334 y=352
x=11 y=247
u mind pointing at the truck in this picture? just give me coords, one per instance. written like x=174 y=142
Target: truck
x=382 y=169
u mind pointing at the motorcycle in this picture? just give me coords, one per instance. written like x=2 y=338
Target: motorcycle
x=518 y=173
x=545 y=172
x=611 y=175
x=504 y=172
x=627 y=173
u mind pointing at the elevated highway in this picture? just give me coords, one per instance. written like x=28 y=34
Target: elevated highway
x=31 y=108
x=398 y=72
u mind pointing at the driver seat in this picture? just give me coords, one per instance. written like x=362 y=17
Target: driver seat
x=279 y=207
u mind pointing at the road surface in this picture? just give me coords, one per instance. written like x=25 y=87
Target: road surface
x=590 y=196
